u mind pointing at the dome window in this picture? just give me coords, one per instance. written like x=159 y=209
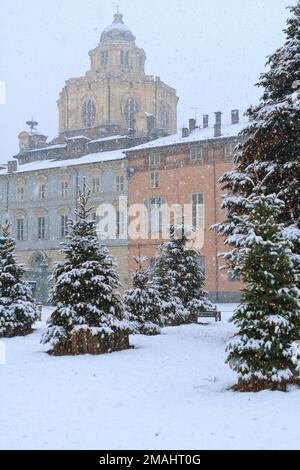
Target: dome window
x=131 y=109
x=89 y=113
x=104 y=57
x=124 y=57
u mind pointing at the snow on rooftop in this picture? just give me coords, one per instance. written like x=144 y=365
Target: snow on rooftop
x=111 y=137
x=78 y=137
x=87 y=159
x=51 y=147
x=230 y=130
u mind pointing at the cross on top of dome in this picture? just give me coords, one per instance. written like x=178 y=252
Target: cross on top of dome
x=118 y=18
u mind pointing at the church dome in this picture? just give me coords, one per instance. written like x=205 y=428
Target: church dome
x=117 y=31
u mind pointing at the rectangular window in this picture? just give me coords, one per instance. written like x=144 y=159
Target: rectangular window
x=198 y=211
x=120 y=183
x=196 y=154
x=20 y=230
x=202 y=262
x=154 y=180
x=229 y=149
x=20 y=193
x=64 y=189
x=124 y=57
x=96 y=219
x=103 y=227
x=63 y=226
x=154 y=159
x=121 y=225
x=41 y=228
x=104 y=57
x=96 y=185
x=42 y=191
x=155 y=215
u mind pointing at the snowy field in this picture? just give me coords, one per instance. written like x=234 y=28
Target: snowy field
x=170 y=392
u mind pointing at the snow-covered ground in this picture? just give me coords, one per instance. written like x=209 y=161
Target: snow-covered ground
x=170 y=392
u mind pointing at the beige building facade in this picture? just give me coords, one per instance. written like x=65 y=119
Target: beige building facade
x=116 y=94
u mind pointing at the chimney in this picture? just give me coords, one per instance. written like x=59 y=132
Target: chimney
x=185 y=132
x=192 y=124
x=235 y=116
x=218 y=124
x=12 y=166
x=205 y=121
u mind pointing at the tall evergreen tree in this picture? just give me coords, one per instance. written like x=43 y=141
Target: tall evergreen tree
x=268 y=321
x=142 y=301
x=272 y=139
x=89 y=315
x=17 y=309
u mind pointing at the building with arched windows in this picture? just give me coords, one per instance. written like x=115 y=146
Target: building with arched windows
x=116 y=95
x=115 y=127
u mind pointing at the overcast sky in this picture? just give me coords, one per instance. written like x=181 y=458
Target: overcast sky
x=211 y=51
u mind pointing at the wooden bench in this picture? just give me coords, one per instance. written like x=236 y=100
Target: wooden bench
x=214 y=313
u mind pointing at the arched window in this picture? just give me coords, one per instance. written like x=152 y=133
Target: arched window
x=39 y=259
x=130 y=110
x=89 y=113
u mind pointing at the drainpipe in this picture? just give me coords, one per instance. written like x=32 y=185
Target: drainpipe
x=7 y=197
x=76 y=191
x=109 y=98
x=216 y=234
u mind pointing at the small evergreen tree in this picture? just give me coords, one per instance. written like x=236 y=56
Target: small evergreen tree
x=180 y=276
x=17 y=309
x=268 y=321
x=189 y=276
x=142 y=301
x=172 y=311
x=272 y=139
x=89 y=315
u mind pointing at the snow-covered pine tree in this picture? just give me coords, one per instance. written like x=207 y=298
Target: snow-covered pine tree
x=89 y=316
x=180 y=276
x=189 y=280
x=268 y=319
x=17 y=309
x=172 y=311
x=272 y=139
x=142 y=301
